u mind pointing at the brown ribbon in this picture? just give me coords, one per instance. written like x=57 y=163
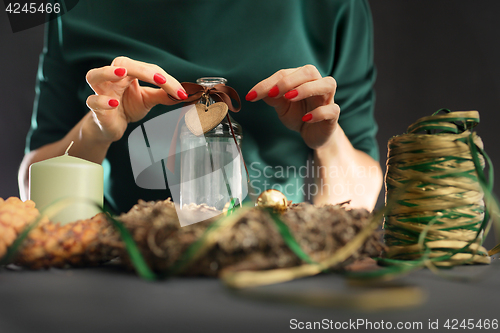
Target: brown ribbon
x=219 y=93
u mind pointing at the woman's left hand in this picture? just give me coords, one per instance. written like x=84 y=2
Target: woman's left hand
x=304 y=102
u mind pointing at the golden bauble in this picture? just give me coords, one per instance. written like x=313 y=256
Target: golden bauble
x=272 y=199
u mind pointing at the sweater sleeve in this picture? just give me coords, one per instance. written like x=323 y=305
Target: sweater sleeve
x=355 y=73
x=57 y=108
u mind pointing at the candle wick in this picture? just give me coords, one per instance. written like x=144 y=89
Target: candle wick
x=69 y=147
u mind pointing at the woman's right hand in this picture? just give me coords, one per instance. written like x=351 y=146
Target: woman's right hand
x=119 y=99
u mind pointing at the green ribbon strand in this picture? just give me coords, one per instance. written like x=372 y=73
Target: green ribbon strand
x=288 y=238
x=136 y=258
x=458 y=122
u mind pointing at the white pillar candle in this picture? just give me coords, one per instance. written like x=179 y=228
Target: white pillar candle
x=67 y=177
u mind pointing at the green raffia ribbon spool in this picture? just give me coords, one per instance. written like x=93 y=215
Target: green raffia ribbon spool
x=432 y=181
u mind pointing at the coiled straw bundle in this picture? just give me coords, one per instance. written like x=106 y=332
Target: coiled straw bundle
x=435 y=200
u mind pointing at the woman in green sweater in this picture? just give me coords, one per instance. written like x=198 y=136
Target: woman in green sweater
x=295 y=62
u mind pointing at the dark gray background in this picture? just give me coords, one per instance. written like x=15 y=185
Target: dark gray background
x=430 y=54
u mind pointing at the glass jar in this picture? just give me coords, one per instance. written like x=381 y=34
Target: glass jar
x=211 y=166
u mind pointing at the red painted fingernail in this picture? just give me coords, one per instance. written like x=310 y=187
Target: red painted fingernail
x=113 y=103
x=307 y=117
x=160 y=79
x=120 y=71
x=292 y=94
x=182 y=94
x=274 y=91
x=251 y=95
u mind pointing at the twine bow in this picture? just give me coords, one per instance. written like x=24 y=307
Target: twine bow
x=219 y=93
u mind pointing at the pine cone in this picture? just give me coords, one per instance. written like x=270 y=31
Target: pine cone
x=15 y=215
x=73 y=244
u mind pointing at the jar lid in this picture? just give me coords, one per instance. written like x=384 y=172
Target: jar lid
x=211 y=81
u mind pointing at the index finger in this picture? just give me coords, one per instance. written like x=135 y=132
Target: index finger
x=153 y=74
x=261 y=89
